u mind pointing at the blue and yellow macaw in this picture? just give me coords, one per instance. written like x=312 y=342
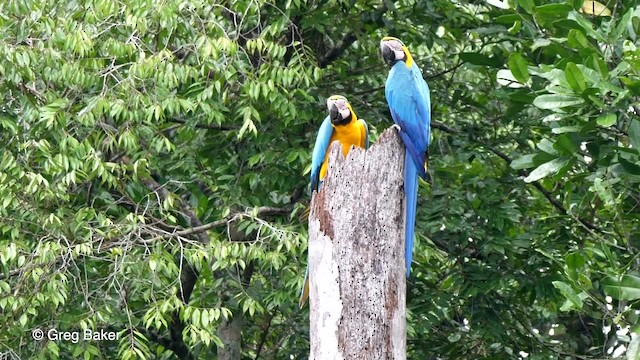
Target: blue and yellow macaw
x=341 y=125
x=410 y=105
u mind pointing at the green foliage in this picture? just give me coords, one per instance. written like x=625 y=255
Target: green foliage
x=143 y=143
x=120 y=125
x=565 y=123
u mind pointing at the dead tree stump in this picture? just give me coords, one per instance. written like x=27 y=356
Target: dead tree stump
x=356 y=255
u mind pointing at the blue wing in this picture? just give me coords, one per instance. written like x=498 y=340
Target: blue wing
x=410 y=104
x=317 y=158
x=319 y=151
x=366 y=129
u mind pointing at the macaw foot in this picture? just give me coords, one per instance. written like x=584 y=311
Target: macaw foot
x=397 y=127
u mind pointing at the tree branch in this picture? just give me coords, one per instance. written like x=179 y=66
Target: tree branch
x=524 y=173
x=189 y=276
x=442 y=127
x=342 y=45
x=376 y=89
x=263 y=338
x=337 y=50
x=33 y=91
x=265 y=210
x=460 y=63
x=545 y=192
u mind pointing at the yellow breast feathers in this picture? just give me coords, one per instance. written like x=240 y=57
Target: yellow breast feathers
x=353 y=133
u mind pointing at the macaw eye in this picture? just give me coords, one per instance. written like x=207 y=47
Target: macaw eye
x=341 y=103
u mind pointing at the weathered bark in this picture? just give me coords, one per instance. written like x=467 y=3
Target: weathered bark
x=356 y=255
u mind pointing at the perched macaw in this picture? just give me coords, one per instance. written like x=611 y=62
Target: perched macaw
x=341 y=125
x=410 y=105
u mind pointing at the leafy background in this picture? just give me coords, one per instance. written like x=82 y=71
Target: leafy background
x=155 y=157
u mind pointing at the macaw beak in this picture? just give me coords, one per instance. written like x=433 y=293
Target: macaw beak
x=334 y=113
x=387 y=54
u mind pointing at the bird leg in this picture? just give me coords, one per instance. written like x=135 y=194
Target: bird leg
x=397 y=127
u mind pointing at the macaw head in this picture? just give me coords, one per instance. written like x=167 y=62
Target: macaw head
x=393 y=50
x=340 y=111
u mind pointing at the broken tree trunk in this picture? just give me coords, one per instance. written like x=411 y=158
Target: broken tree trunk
x=356 y=255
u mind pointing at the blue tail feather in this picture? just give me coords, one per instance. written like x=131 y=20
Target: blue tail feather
x=411 y=199
x=417 y=156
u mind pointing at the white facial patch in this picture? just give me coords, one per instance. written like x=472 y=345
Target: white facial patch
x=396 y=47
x=341 y=104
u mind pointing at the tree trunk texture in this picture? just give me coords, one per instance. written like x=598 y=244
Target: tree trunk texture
x=356 y=255
x=230 y=333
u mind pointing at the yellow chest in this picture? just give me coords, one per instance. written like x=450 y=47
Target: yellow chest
x=347 y=135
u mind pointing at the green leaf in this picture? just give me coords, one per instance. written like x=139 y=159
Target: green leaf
x=629 y=167
x=566 y=129
x=518 y=66
x=623 y=24
x=595 y=62
x=576 y=39
x=538 y=43
x=454 y=337
x=153 y=264
x=574 y=261
x=554 y=10
x=606 y=120
x=634 y=134
x=479 y=59
x=633 y=85
x=543 y=157
x=576 y=4
x=205 y=318
x=587 y=26
x=547 y=146
x=564 y=144
x=53 y=347
x=523 y=162
x=528 y=5
x=515 y=28
x=508 y=19
x=547 y=14
x=625 y=288
x=575 y=78
x=6 y=201
x=195 y=317
x=603 y=189
x=566 y=24
x=633 y=351
x=7 y=122
x=567 y=291
x=546 y=169
x=556 y=101
x=634 y=27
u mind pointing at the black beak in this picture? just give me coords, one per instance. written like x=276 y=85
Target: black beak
x=334 y=113
x=388 y=55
